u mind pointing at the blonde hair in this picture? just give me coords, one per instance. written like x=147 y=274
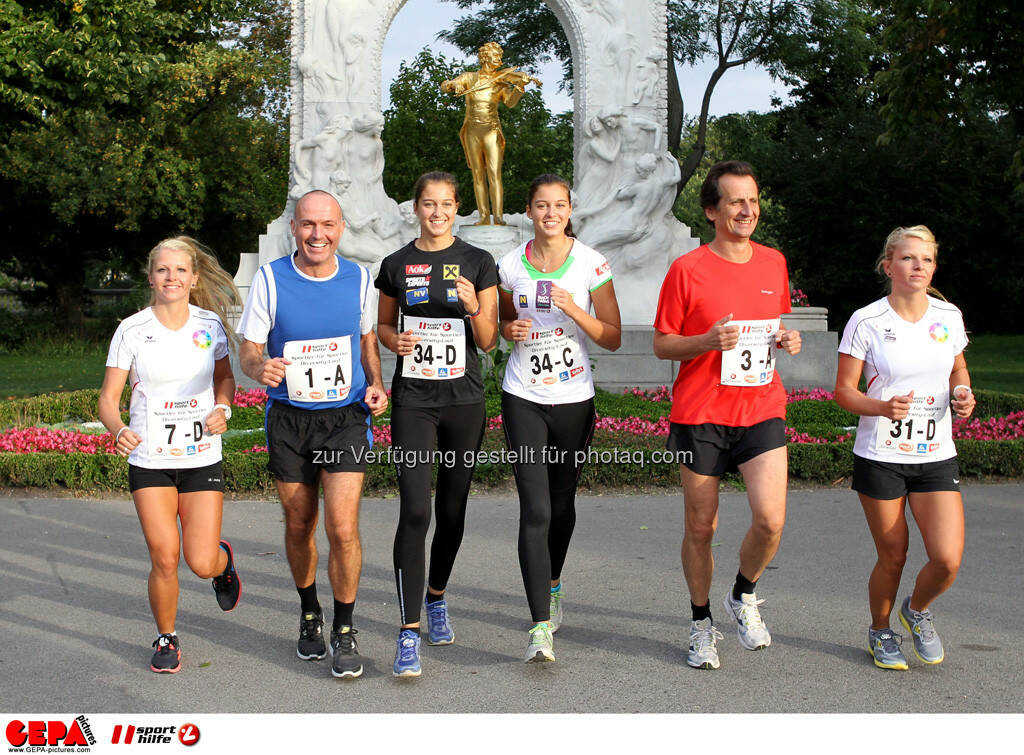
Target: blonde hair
x=215 y=289
x=900 y=234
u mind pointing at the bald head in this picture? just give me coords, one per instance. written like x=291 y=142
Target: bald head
x=317 y=226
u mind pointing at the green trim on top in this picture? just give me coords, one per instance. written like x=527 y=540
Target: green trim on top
x=608 y=280
x=536 y=274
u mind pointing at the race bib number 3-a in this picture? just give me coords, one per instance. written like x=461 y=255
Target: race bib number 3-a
x=174 y=427
x=551 y=356
x=924 y=431
x=751 y=362
x=440 y=354
x=320 y=370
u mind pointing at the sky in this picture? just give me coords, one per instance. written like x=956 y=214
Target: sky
x=419 y=22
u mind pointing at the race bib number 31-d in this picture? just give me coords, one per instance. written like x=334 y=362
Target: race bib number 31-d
x=174 y=427
x=440 y=354
x=751 y=362
x=922 y=433
x=320 y=370
x=551 y=356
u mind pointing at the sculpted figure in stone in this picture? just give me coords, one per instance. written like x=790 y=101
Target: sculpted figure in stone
x=316 y=160
x=598 y=158
x=645 y=86
x=481 y=136
x=328 y=61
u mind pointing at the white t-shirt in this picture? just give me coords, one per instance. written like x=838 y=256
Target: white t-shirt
x=552 y=366
x=171 y=375
x=900 y=357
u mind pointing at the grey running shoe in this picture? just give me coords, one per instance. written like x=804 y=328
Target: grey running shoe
x=556 y=608
x=311 y=645
x=542 y=645
x=750 y=628
x=703 y=650
x=927 y=645
x=884 y=646
x=346 y=661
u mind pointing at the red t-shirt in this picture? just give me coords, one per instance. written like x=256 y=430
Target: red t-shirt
x=700 y=289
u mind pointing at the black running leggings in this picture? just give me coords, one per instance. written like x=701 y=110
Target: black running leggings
x=547 y=486
x=455 y=432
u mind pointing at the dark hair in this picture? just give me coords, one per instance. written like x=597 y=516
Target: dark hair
x=710 y=193
x=546 y=179
x=436 y=176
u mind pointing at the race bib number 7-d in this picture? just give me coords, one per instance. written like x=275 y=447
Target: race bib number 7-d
x=751 y=362
x=320 y=370
x=174 y=427
x=924 y=431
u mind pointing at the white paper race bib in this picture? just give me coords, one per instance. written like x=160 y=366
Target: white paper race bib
x=320 y=370
x=440 y=354
x=551 y=356
x=174 y=427
x=924 y=432
x=751 y=362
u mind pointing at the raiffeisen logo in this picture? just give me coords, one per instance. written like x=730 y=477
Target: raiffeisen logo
x=50 y=736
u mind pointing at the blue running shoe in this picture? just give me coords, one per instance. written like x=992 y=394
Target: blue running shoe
x=884 y=646
x=927 y=645
x=407 y=655
x=439 y=628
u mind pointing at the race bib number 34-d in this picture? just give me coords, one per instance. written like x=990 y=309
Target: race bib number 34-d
x=320 y=370
x=440 y=354
x=922 y=434
x=751 y=362
x=174 y=427
x=551 y=356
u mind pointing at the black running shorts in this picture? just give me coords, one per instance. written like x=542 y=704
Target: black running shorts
x=188 y=480
x=301 y=442
x=886 y=481
x=711 y=449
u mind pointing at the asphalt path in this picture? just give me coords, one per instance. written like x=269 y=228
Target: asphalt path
x=76 y=625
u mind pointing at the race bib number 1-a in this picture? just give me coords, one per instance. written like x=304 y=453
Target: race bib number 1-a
x=551 y=356
x=320 y=370
x=440 y=354
x=174 y=427
x=751 y=362
x=922 y=433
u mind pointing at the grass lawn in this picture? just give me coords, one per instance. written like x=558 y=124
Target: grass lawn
x=997 y=362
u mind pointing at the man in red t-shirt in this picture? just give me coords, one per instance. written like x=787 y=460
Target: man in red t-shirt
x=719 y=317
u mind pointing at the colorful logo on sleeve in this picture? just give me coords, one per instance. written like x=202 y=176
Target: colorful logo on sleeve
x=939 y=332
x=202 y=339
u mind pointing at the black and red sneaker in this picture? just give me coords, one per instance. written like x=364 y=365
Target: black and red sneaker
x=167 y=658
x=227 y=585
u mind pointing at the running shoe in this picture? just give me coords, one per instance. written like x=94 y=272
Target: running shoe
x=703 y=645
x=346 y=661
x=542 y=646
x=439 y=628
x=311 y=645
x=750 y=628
x=884 y=646
x=556 y=608
x=927 y=645
x=407 y=654
x=167 y=658
x=227 y=585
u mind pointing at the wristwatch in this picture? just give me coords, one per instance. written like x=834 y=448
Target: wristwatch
x=225 y=408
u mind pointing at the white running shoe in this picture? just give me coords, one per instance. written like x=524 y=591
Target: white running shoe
x=750 y=628
x=703 y=651
x=542 y=645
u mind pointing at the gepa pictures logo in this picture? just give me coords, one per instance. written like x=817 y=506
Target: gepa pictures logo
x=51 y=733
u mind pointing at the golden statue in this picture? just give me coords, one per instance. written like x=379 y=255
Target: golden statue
x=481 y=135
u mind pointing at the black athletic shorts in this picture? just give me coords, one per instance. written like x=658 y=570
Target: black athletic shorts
x=711 y=449
x=886 y=481
x=188 y=480
x=301 y=442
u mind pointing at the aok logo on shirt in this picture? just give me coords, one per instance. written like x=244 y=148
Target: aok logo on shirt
x=418 y=269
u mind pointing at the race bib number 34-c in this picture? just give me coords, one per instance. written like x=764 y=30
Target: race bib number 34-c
x=551 y=356
x=440 y=354
x=751 y=362
x=320 y=370
x=921 y=433
x=174 y=427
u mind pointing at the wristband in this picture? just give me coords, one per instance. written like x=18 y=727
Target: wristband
x=224 y=408
x=478 y=308
x=118 y=436
x=967 y=388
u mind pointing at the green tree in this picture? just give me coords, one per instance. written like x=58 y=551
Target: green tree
x=127 y=120
x=421 y=134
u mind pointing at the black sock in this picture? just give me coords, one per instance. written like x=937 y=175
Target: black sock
x=701 y=612
x=743 y=585
x=342 y=614
x=433 y=597
x=307 y=595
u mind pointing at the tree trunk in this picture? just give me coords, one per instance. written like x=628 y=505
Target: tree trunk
x=69 y=301
x=675 y=104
